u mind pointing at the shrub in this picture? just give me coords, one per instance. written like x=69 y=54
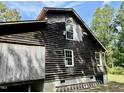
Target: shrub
x=116 y=70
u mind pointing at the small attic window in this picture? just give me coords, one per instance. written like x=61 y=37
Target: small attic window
x=69 y=29
x=98 y=58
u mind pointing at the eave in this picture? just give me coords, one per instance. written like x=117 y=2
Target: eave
x=21 y=26
x=22 y=22
x=42 y=14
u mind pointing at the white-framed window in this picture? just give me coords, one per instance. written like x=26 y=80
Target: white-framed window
x=69 y=58
x=69 y=29
x=98 y=58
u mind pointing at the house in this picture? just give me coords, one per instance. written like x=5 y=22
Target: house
x=55 y=52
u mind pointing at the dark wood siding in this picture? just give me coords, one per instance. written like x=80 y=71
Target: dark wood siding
x=84 y=50
x=54 y=40
x=31 y=34
x=83 y=54
x=30 y=38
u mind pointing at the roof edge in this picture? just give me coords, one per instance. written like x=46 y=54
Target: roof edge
x=89 y=29
x=22 y=22
x=46 y=9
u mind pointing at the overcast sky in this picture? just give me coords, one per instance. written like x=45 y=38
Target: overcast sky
x=29 y=10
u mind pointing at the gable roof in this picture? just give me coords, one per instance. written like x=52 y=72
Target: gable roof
x=43 y=12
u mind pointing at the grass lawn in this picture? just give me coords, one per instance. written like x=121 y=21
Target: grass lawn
x=116 y=78
x=115 y=84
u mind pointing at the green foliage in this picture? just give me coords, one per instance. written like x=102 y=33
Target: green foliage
x=116 y=70
x=119 y=22
x=102 y=24
x=109 y=28
x=104 y=30
x=7 y=14
x=109 y=55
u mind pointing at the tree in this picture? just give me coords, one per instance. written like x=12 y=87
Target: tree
x=7 y=14
x=119 y=22
x=102 y=25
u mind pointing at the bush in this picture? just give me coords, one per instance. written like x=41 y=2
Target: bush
x=116 y=70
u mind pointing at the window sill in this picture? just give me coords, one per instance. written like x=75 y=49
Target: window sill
x=99 y=65
x=69 y=66
x=69 y=39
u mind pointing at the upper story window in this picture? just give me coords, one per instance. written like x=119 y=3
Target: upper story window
x=98 y=58
x=69 y=29
x=69 y=58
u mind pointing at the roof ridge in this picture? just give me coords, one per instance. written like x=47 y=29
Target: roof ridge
x=45 y=9
x=56 y=8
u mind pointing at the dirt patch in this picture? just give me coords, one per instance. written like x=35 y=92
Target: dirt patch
x=110 y=87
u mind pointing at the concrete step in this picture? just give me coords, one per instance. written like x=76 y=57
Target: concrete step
x=78 y=86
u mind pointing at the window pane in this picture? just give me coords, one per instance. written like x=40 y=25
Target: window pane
x=69 y=61
x=69 y=28
x=68 y=53
x=98 y=61
x=68 y=57
x=97 y=57
x=69 y=35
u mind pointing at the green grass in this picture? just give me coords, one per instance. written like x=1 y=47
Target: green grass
x=115 y=84
x=116 y=78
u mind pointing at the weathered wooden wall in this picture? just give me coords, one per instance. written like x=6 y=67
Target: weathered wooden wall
x=84 y=47
x=54 y=40
x=29 y=38
x=22 y=53
x=21 y=63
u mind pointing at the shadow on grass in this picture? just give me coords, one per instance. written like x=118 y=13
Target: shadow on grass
x=110 y=87
x=115 y=83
